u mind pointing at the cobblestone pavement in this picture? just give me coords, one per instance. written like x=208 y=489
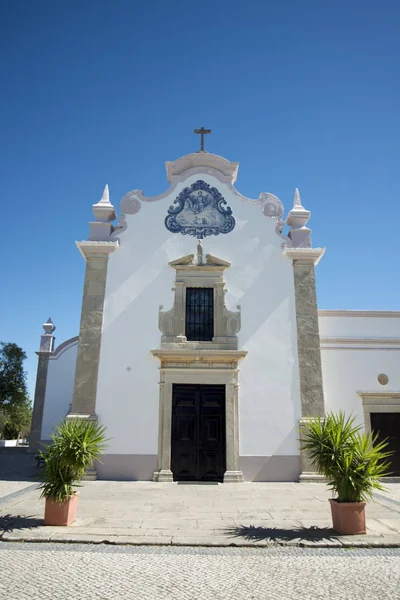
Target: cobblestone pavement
x=89 y=572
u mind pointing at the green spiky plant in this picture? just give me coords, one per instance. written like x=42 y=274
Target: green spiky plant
x=352 y=461
x=77 y=444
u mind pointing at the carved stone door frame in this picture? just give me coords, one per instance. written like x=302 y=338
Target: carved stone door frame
x=380 y=402
x=202 y=367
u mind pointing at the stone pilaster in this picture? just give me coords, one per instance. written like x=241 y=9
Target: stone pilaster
x=180 y=309
x=84 y=398
x=308 y=341
x=165 y=473
x=38 y=403
x=46 y=350
x=232 y=473
x=87 y=362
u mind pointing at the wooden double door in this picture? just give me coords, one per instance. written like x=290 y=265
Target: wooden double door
x=198 y=444
x=387 y=427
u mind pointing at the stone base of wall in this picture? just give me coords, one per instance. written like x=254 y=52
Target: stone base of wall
x=127 y=467
x=312 y=477
x=270 y=468
x=141 y=467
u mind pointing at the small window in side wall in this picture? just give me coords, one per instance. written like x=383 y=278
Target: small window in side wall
x=199 y=325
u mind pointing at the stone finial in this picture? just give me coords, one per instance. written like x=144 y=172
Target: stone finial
x=297 y=199
x=103 y=210
x=297 y=219
x=104 y=213
x=49 y=326
x=47 y=338
x=199 y=253
x=105 y=199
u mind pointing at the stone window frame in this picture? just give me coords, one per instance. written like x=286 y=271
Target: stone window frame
x=201 y=275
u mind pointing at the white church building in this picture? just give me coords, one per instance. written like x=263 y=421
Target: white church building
x=201 y=346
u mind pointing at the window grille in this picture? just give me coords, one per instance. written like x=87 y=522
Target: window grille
x=199 y=314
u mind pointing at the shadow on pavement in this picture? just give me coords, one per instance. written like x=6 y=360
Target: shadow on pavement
x=10 y=523
x=251 y=532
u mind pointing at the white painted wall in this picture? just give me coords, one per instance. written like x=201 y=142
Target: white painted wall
x=355 y=325
x=59 y=388
x=350 y=368
x=260 y=280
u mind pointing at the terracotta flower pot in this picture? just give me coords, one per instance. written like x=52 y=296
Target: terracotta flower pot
x=61 y=513
x=348 y=517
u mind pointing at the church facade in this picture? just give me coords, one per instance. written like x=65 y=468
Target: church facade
x=201 y=346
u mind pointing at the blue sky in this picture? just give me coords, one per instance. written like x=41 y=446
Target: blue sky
x=301 y=93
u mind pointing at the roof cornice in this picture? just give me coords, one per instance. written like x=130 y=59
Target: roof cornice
x=96 y=249
x=305 y=254
x=385 y=314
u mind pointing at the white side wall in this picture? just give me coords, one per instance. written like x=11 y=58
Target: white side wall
x=359 y=324
x=59 y=388
x=355 y=350
x=260 y=280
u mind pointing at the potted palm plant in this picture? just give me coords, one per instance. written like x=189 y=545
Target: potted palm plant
x=353 y=462
x=77 y=444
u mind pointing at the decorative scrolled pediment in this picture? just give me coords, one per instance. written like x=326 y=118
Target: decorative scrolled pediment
x=217 y=262
x=203 y=198
x=185 y=260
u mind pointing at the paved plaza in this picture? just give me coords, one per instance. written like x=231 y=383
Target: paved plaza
x=172 y=541
x=197 y=514
x=91 y=572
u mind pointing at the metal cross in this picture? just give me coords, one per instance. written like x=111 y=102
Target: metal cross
x=202 y=133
